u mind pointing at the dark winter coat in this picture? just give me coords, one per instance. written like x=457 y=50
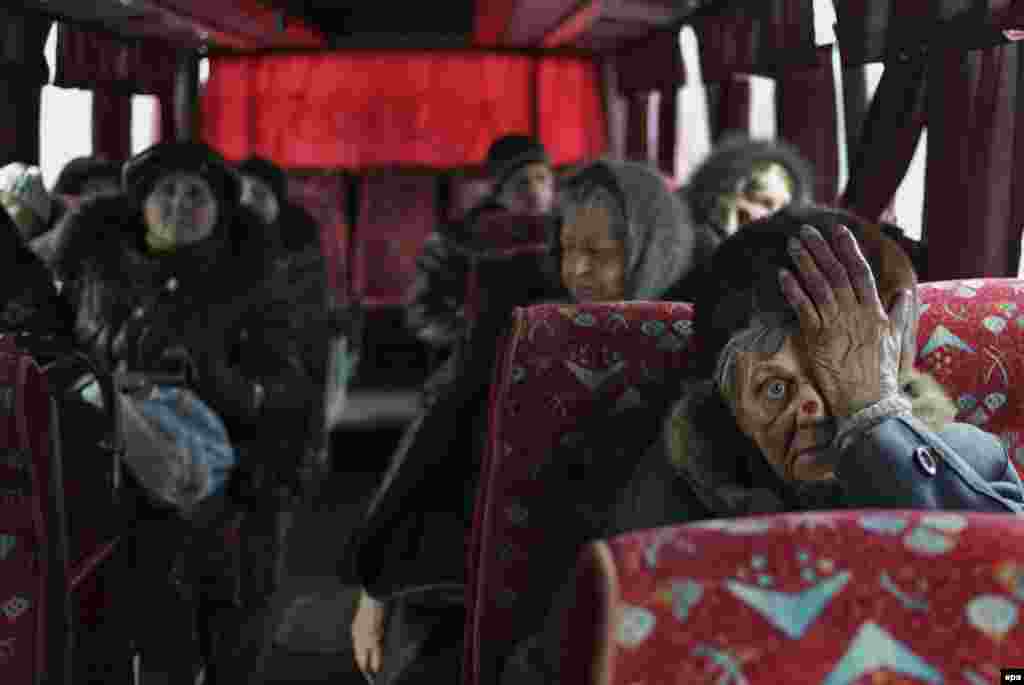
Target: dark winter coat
x=205 y=303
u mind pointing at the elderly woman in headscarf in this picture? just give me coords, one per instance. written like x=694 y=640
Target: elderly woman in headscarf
x=623 y=236
x=804 y=397
x=165 y=280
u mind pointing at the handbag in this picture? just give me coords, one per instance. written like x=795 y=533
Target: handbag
x=176 y=445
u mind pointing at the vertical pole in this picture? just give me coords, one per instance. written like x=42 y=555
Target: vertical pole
x=186 y=96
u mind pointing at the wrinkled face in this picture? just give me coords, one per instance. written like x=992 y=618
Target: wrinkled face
x=259 y=197
x=180 y=209
x=531 y=190
x=593 y=259
x=763 y=194
x=781 y=410
x=101 y=186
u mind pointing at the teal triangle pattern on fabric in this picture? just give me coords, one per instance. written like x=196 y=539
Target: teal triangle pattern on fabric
x=792 y=613
x=873 y=649
x=7 y=543
x=941 y=337
x=594 y=378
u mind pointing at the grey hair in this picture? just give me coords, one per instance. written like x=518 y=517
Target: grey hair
x=763 y=337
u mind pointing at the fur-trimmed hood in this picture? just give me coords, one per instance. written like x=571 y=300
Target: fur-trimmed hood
x=106 y=234
x=721 y=468
x=729 y=163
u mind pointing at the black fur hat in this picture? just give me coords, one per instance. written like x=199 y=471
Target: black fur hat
x=143 y=170
x=741 y=278
x=510 y=153
x=732 y=161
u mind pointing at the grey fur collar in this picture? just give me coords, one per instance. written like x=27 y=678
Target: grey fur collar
x=713 y=467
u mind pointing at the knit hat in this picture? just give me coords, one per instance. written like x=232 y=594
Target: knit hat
x=141 y=172
x=24 y=184
x=80 y=170
x=741 y=279
x=510 y=153
x=268 y=172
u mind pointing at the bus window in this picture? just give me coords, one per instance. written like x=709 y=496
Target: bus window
x=65 y=127
x=145 y=110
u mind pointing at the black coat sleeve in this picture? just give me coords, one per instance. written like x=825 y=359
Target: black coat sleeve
x=902 y=464
x=435 y=301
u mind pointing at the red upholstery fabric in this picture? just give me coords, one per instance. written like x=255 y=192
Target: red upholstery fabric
x=325 y=196
x=396 y=214
x=32 y=572
x=557 y=364
x=824 y=597
x=970 y=338
x=559 y=361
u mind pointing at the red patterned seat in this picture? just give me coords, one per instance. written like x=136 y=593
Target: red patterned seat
x=558 y=365
x=825 y=597
x=397 y=212
x=562 y=366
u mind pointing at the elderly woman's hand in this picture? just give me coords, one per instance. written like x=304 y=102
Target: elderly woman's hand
x=852 y=343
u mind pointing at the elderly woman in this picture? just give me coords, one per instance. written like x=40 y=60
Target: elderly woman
x=624 y=236
x=164 y=279
x=804 y=398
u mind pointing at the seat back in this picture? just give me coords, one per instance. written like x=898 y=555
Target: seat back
x=397 y=212
x=822 y=597
x=558 y=367
x=506 y=236
x=970 y=337
x=33 y=537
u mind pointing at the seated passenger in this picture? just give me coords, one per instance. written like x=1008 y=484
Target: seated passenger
x=805 y=398
x=80 y=178
x=524 y=182
x=625 y=236
x=164 y=281
x=743 y=180
x=29 y=302
x=24 y=196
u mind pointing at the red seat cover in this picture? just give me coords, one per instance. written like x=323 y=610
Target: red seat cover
x=830 y=598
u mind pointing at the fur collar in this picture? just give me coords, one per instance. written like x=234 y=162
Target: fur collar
x=104 y=235
x=718 y=471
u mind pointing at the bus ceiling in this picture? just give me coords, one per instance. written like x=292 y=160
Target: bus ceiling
x=302 y=25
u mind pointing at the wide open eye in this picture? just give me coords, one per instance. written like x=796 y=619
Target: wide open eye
x=774 y=389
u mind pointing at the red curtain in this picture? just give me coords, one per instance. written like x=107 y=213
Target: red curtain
x=973 y=183
x=90 y=60
x=888 y=140
x=655 y=65
x=111 y=125
x=358 y=110
x=571 y=115
x=23 y=71
x=731 y=108
x=805 y=104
